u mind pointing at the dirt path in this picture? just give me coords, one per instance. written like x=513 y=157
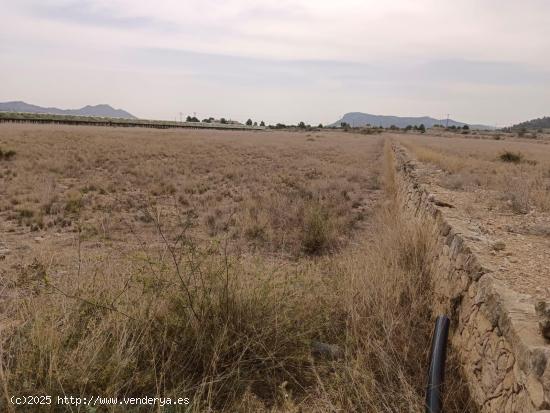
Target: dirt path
x=516 y=247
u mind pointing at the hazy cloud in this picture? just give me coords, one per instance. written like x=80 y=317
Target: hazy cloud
x=482 y=61
x=88 y=13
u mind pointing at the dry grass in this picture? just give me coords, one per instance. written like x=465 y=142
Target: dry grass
x=517 y=172
x=265 y=192
x=204 y=265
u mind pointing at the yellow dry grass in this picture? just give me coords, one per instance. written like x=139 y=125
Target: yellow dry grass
x=476 y=163
x=205 y=264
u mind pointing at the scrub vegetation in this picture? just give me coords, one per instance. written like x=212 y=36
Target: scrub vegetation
x=248 y=271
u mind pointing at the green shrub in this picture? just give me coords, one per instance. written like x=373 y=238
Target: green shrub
x=512 y=157
x=73 y=203
x=7 y=155
x=26 y=213
x=318 y=230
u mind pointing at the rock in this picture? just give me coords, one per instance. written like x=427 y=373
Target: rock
x=443 y=204
x=542 y=308
x=540 y=229
x=536 y=391
x=498 y=246
x=326 y=351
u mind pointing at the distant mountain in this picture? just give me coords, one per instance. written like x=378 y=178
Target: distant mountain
x=97 y=110
x=363 y=119
x=540 y=123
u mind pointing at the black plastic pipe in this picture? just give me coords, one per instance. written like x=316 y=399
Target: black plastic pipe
x=436 y=373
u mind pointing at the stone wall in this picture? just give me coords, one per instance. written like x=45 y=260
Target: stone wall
x=493 y=329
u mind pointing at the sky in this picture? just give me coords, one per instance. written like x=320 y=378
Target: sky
x=481 y=61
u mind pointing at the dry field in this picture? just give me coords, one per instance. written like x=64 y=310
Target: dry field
x=516 y=171
x=502 y=188
x=249 y=271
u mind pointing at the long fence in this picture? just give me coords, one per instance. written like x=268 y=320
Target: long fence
x=124 y=123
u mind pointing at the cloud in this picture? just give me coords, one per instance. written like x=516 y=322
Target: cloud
x=87 y=12
x=482 y=72
x=287 y=58
x=291 y=72
x=322 y=29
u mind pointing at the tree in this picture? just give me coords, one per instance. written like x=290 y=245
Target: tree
x=262 y=123
x=320 y=126
x=255 y=123
x=249 y=122
x=222 y=120
x=192 y=119
x=206 y=120
x=422 y=128
x=344 y=125
x=466 y=127
x=408 y=128
x=302 y=125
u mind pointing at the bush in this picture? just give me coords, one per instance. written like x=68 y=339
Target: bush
x=517 y=196
x=73 y=204
x=202 y=324
x=7 y=155
x=511 y=157
x=318 y=230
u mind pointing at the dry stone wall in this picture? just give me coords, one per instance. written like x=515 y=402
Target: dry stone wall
x=505 y=359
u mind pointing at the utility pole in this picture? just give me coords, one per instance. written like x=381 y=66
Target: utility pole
x=447 y=124
x=181 y=117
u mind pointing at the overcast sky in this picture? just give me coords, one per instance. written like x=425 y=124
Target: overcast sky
x=482 y=61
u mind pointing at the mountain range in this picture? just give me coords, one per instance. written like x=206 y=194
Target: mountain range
x=539 y=123
x=97 y=110
x=362 y=119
